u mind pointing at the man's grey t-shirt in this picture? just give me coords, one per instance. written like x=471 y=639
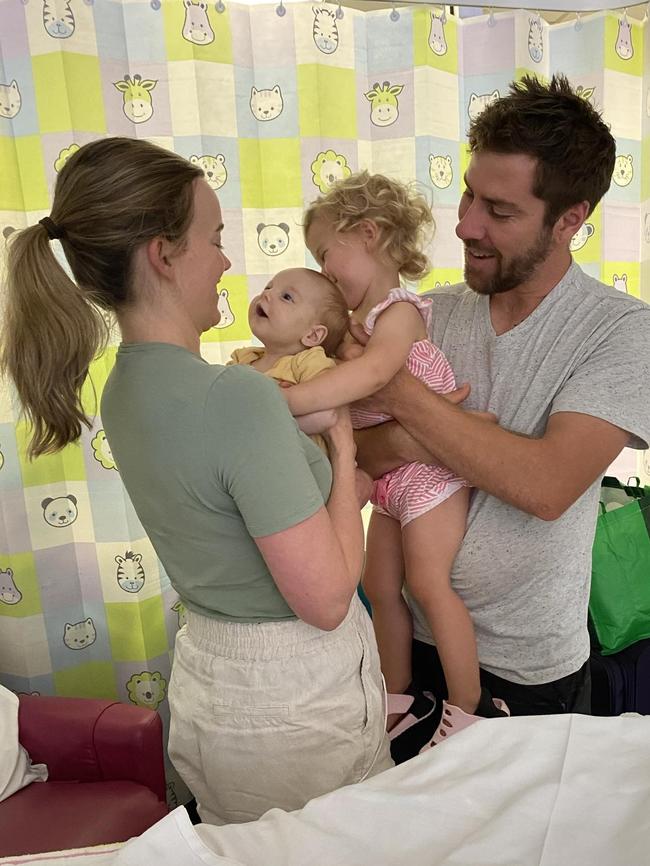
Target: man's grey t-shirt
x=525 y=581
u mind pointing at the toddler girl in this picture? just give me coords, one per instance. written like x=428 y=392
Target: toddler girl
x=365 y=233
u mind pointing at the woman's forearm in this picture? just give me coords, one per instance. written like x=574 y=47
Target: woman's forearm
x=343 y=509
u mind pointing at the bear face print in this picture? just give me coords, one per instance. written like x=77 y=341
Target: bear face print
x=623 y=171
x=581 y=237
x=61 y=511
x=440 y=171
x=273 y=239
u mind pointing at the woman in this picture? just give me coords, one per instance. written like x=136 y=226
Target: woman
x=275 y=692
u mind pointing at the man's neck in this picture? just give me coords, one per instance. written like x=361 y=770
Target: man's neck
x=509 y=309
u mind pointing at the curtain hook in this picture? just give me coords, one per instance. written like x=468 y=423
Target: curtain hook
x=578 y=25
x=492 y=22
x=220 y=7
x=339 y=12
x=394 y=15
x=280 y=11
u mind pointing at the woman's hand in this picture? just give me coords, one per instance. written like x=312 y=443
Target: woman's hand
x=339 y=436
x=363 y=484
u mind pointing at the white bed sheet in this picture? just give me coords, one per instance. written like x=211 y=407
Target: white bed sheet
x=531 y=791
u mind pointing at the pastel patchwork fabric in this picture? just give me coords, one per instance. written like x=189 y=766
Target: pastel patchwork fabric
x=274 y=109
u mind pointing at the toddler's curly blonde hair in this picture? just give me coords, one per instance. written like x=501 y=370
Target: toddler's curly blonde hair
x=401 y=213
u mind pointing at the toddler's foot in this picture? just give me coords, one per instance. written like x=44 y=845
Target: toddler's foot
x=454 y=719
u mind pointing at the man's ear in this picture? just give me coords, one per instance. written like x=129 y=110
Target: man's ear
x=315 y=336
x=569 y=222
x=159 y=256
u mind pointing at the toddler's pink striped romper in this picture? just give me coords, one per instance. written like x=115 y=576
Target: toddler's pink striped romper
x=415 y=488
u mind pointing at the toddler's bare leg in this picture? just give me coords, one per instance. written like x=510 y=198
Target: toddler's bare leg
x=431 y=543
x=383 y=577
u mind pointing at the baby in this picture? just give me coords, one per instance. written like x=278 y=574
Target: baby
x=300 y=318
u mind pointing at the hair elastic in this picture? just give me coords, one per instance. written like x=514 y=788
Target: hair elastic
x=54 y=232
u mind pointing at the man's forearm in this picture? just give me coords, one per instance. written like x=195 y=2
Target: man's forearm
x=509 y=466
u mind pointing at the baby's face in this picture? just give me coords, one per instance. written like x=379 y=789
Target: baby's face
x=287 y=309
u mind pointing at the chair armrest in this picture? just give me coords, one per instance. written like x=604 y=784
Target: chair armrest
x=89 y=740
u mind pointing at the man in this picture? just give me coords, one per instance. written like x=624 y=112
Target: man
x=561 y=360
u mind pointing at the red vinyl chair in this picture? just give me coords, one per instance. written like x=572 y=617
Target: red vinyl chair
x=106 y=778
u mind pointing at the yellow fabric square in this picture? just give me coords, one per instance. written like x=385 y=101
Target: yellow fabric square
x=423 y=40
x=11 y=189
x=100 y=369
x=68 y=92
x=90 y=680
x=197 y=34
x=137 y=631
x=520 y=71
x=67 y=465
x=327 y=99
x=436 y=279
x=32 y=173
x=270 y=172
x=624 y=276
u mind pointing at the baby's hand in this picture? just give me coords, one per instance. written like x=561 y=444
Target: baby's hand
x=353 y=342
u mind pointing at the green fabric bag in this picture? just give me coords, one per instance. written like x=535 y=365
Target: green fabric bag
x=619 y=604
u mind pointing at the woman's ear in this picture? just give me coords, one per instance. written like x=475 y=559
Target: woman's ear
x=315 y=336
x=159 y=256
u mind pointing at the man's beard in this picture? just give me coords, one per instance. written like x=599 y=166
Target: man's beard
x=517 y=271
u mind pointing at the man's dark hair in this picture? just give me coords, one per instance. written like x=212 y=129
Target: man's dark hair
x=574 y=149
